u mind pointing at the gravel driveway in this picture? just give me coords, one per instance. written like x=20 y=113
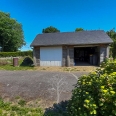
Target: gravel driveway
x=37 y=84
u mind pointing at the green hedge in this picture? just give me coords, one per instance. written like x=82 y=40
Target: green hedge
x=15 y=54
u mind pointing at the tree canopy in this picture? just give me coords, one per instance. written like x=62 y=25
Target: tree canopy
x=11 y=33
x=50 y=29
x=79 y=29
x=112 y=34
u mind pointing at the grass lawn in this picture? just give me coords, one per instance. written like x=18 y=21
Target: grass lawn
x=19 y=108
x=7 y=64
x=11 y=67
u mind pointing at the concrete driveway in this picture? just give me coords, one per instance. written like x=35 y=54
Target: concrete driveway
x=37 y=84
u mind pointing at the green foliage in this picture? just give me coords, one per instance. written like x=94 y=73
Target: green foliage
x=109 y=66
x=50 y=30
x=27 y=61
x=10 y=109
x=79 y=29
x=15 y=54
x=22 y=102
x=112 y=35
x=11 y=33
x=95 y=94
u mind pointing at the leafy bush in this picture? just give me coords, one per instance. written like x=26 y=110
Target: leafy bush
x=15 y=54
x=95 y=94
x=109 y=66
x=27 y=61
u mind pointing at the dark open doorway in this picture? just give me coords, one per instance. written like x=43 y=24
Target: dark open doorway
x=85 y=56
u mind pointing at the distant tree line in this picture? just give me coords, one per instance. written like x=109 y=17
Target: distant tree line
x=52 y=29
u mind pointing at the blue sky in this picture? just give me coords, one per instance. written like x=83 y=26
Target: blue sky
x=66 y=15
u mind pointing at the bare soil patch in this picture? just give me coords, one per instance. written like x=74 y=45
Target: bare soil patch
x=67 y=69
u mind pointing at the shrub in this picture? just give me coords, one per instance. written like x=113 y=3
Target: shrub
x=94 y=95
x=27 y=61
x=15 y=54
x=109 y=66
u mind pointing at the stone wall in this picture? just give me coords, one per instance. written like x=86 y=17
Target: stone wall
x=103 y=53
x=36 y=56
x=64 y=56
x=68 y=53
x=71 y=55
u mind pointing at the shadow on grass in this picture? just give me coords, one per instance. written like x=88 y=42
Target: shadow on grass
x=59 y=109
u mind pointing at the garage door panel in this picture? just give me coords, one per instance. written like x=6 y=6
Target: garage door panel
x=50 y=63
x=51 y=56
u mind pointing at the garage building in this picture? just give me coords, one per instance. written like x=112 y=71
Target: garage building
x=71 y=48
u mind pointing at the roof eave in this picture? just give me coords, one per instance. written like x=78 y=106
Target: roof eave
x=71 y=44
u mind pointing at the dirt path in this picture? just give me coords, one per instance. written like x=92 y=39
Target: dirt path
x=66 y=69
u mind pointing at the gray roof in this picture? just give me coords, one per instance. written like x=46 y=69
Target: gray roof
x=72 y=38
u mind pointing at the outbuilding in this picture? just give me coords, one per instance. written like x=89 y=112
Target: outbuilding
x=71 y=48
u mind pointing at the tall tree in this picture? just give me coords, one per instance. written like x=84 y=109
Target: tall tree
x=50 y=29
x=112 y=34
x=11 y=33
x=79 y=29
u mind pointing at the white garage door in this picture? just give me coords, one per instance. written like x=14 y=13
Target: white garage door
x=50 y=56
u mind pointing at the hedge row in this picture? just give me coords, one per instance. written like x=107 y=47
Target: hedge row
x=15 y=54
